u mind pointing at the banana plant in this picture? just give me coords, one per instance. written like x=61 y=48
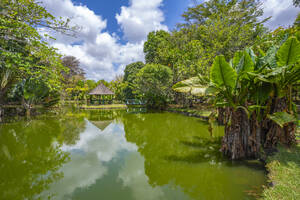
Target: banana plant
x=227 y=81
x=256 y=87
x=283 y=77
x=247 y=81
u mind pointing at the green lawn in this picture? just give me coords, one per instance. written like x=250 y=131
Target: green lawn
x=284 y=175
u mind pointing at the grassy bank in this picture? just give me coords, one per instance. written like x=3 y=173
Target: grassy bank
x=192 y=112
x=284 y=175
x=108 y=106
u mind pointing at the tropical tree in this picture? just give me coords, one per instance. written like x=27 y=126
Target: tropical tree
x=91 y=84
x=154 y=83
x=78 y=91
x=210 y=29
x=74 y=69
x=130 y=75
x=256 y=93
x=155 y=41
x=23 y=53
x=33 y=91
x=117 y=85
x=224 y=27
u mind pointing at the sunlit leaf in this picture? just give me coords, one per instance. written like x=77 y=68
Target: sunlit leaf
x=193 y=86
x=289 y=52
x=222 y=74
x=282 y=118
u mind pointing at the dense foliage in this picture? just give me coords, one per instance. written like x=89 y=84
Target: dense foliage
x=154 y=83
x=129 y=79
x=25 y=59
x=210 y=29
x=257 y=95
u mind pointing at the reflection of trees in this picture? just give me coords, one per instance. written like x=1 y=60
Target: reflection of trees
x=179 y=150
x=103 y=115
x=29 y=158
x=71 y=129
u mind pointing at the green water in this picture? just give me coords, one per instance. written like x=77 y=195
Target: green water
x=120 y=155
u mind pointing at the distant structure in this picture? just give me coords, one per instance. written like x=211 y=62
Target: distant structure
x=102 y=124
x=101 y=94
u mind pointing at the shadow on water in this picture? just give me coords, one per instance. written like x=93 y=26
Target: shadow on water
x=205 y=150
x=208 y=150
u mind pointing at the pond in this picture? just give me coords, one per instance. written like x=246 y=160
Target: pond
x=119 y=154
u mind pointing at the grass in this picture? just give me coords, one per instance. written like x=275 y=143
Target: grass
x=108 y=106
x=193 y=111
x=20 y=106
x=284 y=175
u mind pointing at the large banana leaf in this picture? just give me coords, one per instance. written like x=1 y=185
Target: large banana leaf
x=270 y=57
x=282 y=118
x=237 y=57
x=222 y=74
x=251 y=54
x=289 y=52
x=292 y=75
x=242 y=62
x=195 y=86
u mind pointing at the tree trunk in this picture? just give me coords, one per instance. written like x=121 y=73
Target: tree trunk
x=1 y=113
x=245 y=137
x=1 y=106
x=221 y=116
x=242 y=135
x=275 y=134
x=27 y=107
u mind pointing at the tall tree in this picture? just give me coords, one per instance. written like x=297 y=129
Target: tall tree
x=224 y=26
x=154 y=83
x=23 y=53
x=130 y=75
x=74 y=69
x=156 y=40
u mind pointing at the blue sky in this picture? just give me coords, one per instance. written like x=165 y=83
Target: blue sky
x=112 y=32
x=172 y=10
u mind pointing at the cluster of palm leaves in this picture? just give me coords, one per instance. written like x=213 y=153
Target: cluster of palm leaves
x=261 y=84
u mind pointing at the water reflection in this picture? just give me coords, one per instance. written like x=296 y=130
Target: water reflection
x=30 y=158
x=179 y=150
x=115 y=154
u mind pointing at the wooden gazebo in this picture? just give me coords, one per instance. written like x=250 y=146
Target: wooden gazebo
x=102 y=93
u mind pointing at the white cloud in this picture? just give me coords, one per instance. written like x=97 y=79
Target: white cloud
x=89 y=157
x=90 y=24
x=101 y=54
x=283 y=13
x=133 y=176
x=141 y=17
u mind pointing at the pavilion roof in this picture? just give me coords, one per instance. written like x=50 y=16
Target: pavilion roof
x=101 y=90
x=102 y=124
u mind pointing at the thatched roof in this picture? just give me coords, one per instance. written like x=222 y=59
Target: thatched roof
x=101 y=90
x=102 y=124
